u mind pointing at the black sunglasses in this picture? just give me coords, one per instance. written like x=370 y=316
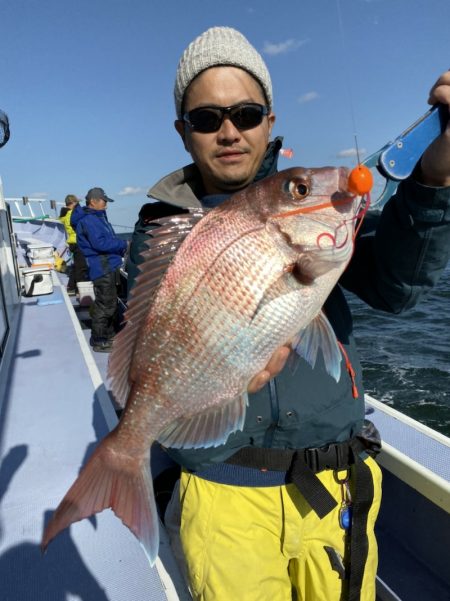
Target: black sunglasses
x=208 y=119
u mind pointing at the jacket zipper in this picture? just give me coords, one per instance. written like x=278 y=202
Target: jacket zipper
x=275 y=412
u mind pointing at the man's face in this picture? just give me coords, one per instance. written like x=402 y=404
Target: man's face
x=229 y=158
x=98 y=204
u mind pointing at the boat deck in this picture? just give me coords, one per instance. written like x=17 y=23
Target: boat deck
x=53 y=411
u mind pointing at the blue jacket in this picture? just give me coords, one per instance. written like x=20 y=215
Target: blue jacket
x=102 y=249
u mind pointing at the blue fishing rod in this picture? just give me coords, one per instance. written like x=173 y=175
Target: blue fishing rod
x=396 y=160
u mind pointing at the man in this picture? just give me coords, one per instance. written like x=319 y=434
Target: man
x=78 y=271
x=103 y=252
x=270 y=510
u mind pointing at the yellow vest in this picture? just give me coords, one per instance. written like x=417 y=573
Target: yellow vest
x=70 y=232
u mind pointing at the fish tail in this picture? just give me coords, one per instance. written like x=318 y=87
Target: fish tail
x=111 y=479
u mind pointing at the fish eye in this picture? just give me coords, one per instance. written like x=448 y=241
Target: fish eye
x=299 y=188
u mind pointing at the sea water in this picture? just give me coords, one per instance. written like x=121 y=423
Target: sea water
x=406 y=358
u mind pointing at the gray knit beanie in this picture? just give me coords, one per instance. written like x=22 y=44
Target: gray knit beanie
x=219 y=46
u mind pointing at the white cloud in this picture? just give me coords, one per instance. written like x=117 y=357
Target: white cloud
x=132 y=191
x=308 y=97
x=42 y=195
x=351 y=152
x=282 y=47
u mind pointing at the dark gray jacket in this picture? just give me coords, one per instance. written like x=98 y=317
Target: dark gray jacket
x=398 y=258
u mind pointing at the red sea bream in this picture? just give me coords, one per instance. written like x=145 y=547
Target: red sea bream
x=204 y=318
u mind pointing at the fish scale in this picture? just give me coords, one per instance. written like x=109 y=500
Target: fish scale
x=236 y=312
x=217 y=295
x=233 y=314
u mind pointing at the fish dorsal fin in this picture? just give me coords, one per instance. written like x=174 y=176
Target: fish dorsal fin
x=164 y=240
x=319 y=334
x=207 y=429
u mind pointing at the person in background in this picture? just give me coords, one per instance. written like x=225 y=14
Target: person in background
x=78 y=271
x=290 y=502
x=104 y=252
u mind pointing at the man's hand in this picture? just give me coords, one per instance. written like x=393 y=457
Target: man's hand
x=435 y=162
x=275 y=365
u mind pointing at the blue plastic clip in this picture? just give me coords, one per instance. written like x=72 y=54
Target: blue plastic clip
x=345 y=516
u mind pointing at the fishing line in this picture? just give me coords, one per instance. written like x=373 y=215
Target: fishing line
x=345 y=75
x=360 y=180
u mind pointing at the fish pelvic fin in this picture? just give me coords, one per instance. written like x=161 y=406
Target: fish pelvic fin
x=111 y=480
x=319 y=334
x=207 y=429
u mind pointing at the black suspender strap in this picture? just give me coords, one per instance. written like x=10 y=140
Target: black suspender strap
x=301 y=467
x=359 y=543
x=300 y=474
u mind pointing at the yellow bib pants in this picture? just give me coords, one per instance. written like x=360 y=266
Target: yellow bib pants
x=266 y=544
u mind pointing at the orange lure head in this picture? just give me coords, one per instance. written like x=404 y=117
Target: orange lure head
x=360 y=180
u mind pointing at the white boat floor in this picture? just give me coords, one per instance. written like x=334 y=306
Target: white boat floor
x=54 y=410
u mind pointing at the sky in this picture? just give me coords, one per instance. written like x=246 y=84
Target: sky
x=88 y=84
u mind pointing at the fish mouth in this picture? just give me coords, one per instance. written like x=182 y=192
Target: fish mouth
x=333 y=243
x=332 y=237
x=342 y=198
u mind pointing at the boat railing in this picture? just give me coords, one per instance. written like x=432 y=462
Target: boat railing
x=33 y=208
x=413 y=526
x=10 y=289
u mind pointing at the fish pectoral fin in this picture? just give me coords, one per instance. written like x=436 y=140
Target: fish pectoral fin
x=110 y=480
x=319 y=334
x=206 y=429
